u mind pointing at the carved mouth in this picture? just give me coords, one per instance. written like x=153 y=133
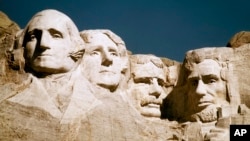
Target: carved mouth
x=107 y=71
x=151 y=104
x=204 y=103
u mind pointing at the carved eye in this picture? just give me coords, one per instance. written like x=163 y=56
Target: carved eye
x=93 y=53
x=113 y=51
x=143 y=80
x=114 y=54
x=194 y=82
x=161 y=82
x=212 y=81
x=32 y=37
x=56 y=35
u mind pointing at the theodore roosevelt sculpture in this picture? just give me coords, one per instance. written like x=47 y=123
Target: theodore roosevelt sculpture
x=147 y=84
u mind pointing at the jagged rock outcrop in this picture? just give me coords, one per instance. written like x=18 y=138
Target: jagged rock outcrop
x=8 y=31
x=12 y=78
x=239 y=39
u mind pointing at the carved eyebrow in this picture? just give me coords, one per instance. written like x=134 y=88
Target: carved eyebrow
x=33 y=31
x=146 y=80
x=211 y=76
x=112 y=49
x=192 y=77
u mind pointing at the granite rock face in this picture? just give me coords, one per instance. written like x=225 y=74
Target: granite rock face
x=8 y=30
x=239 y=39
x=100 y=91
x=12 y=77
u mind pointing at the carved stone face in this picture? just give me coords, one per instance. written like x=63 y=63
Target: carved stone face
x=206 y=88
x=147 y=88
x=102 y=64
x=48 y=44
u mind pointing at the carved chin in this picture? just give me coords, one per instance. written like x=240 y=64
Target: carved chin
x=108 y=80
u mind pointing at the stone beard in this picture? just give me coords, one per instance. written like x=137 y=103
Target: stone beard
x=209 y=114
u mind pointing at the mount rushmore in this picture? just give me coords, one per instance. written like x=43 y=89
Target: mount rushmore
x=59 y=83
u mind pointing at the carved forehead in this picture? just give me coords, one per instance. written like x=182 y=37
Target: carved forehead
x=99 y=38
x=144 y=59
x=147 y=66
x=208 y=63
x=52 y=19
x=206 y=67
x=87 y=36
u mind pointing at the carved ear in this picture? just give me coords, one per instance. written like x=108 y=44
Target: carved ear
x=224 y=72
x=124 y=65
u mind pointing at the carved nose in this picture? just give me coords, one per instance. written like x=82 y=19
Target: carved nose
x=201 y=88
x=44 y=41
x=106 y=59
x=155 y=88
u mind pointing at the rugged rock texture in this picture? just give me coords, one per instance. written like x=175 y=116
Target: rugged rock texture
x=239 y=39
x=241 y=66
x=8 y=31
x=68 y=107
x=13 y=79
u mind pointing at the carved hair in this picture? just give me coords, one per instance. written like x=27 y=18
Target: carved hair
x=144 y=59
x=88 y=34
x=197 y=56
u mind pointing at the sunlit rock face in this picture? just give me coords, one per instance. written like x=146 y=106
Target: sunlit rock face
x=8 y=30
x=239 y=39
x=58 y=83
x=147 y=84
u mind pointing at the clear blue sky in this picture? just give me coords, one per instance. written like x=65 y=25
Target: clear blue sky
x=166 y=28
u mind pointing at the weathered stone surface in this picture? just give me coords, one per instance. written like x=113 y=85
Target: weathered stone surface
x=147 y=86
x=94 y=89
x=117 y=123
x=7 y=28
x=13 y=80
x=241 y=67
x=234 y=72
x=239 y=39
x=8 y=31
